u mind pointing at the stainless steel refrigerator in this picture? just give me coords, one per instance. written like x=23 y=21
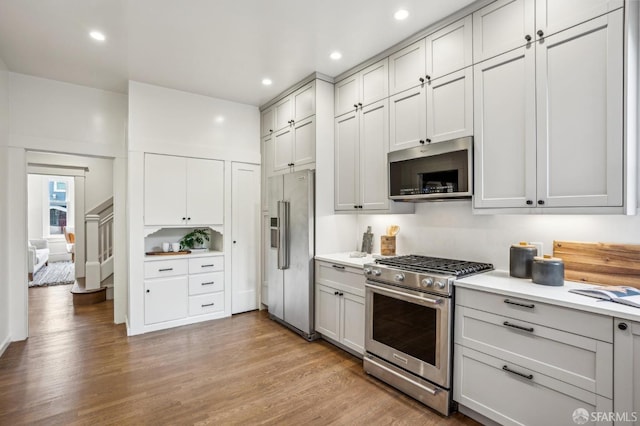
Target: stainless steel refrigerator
x=291 y=251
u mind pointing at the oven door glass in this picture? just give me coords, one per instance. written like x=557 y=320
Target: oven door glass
x=409 y=329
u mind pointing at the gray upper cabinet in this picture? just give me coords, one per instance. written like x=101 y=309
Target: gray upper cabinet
x=267 y=123
x=295 y=107
x=449 y=49
x=407 y=68
x=509 y=24
x=363 y=88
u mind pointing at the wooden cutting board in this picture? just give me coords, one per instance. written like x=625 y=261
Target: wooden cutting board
x=600 y=263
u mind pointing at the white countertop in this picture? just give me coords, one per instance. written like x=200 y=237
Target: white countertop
x=345 y=260
x=500 y=282
x=193 y=254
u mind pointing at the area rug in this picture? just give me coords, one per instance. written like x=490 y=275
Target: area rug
x=56 y=273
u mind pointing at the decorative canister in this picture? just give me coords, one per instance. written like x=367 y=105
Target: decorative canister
x=520 y=259
x=547 y=270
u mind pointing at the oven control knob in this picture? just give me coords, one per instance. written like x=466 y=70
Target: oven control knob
x=377 y=272
x=367 y=271
x=440 y=284
x=427 y=282
x=399 y=277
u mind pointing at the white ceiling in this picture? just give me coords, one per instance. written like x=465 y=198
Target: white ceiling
x=220 y=48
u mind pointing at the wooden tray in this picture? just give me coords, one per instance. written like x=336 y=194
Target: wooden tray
x=600 y=263
x=167 y=253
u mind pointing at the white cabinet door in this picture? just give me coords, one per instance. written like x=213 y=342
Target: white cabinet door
x=346 y=161
x=166 y=299
x=304 y=143
x=505 y=130
x=165 y=180
x=374 y=142
x=282 y=149
x=553 y=16
x=407 y=118
x=579 y=83
x=267 y=169
x=450 y=49
x=245 y=234
x=347 y=94
x=626 y=369
x=450 y=106
x=374 y=82
x=407 y=68
x=352 y=322
x=283 y=113
x=205 y=192
x=327 y=312
x=502 y=26
x=267 y=123
x=304 y=102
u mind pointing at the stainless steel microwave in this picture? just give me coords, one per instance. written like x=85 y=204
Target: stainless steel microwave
x=437 y=171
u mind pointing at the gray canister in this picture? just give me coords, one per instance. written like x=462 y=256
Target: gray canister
x=547 y=270
x=521 y=258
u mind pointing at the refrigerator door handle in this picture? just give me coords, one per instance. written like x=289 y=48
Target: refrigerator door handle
x=283 y=247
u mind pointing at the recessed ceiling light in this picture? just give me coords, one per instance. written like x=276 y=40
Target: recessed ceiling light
x=335 y=55
x=220 y=119
x=267 y=81
x=97 y=35
x=401 y=14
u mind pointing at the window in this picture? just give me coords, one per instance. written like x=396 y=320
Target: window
x=59 y=204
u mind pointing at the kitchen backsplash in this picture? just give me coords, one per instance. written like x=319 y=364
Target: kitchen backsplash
x=451 y=230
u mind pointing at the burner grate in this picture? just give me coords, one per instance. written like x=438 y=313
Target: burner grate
x=426 y=264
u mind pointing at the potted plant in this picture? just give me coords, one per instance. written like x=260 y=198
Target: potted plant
x=195 y=239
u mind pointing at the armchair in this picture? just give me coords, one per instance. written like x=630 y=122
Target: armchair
x=37 y=256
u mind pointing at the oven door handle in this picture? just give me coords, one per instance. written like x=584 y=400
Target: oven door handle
x=399 y=293
x=403 y=377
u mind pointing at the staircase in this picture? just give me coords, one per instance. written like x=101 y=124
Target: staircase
x=97 y=284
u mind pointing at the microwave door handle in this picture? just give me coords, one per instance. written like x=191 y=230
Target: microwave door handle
x=283 y=247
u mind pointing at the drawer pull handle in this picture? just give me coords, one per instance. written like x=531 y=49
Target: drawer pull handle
x=165 y=269
x=524 y=305
x=207 y=266
x=519 y=327
x=207 y=304
x=526 y=376
x=209 y=283
x=337 y=266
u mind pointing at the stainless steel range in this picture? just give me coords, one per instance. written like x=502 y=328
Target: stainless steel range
x=408 y=328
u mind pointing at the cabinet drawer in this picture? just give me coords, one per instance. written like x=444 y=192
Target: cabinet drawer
x=342 y=277
x=206 y=303
x=519 y=396
x=165 y=268
x=206 y=264
x=206 y=283
x=573 y=321
x=577 y=360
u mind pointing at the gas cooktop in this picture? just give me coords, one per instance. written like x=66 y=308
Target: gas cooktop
x=435 y=265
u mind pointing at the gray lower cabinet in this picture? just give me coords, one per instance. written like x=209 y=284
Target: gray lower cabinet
x=626 y=391
x=339 y=299
x=518 y=361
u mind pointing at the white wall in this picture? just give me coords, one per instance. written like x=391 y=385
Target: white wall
x=48 y=115
x=5 y=335
x=180 y=123
x=172 y=122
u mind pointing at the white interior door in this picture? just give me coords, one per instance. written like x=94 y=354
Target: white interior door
x=245 y=234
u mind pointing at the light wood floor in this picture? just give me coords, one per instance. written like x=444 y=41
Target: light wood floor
x=79 y=368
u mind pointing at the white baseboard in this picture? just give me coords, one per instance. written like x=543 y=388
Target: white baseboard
x=4 y=345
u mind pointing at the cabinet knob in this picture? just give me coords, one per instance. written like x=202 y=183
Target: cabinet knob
x=428 y=77
x=422 y=141
x=355 y=106
x=428 y=140
x=184 y=218
x=421 y=80
x=540 y=33
x=360 y=104
x=188 y=218
x=529 y=202
x=234 y=241
x=148 y=291
x=336 y=293
x=622 y=326
x=540 y=202
x=341 y=294
x=527 y=37
x=270 y=130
